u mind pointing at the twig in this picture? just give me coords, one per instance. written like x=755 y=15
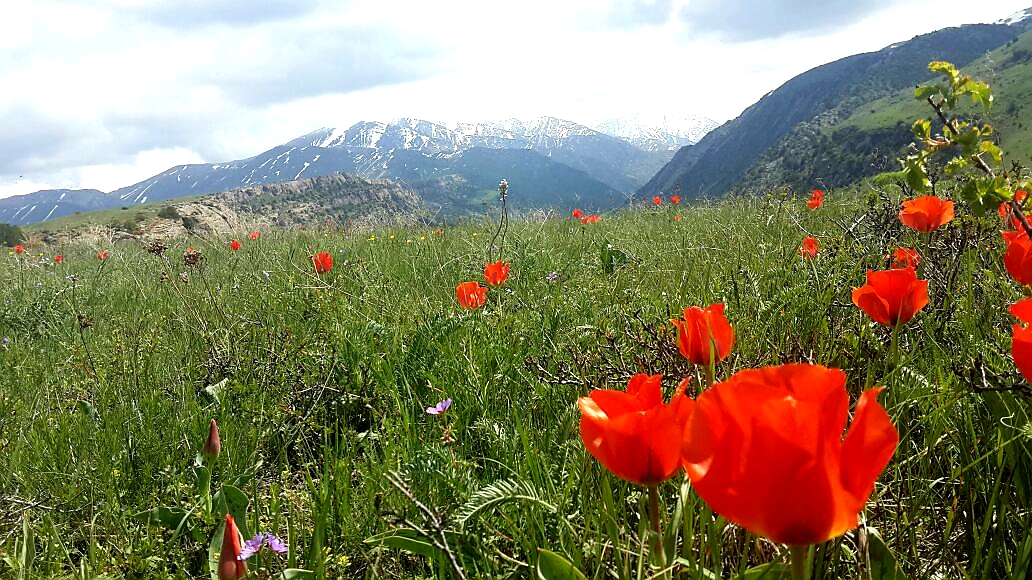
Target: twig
x=441 y=542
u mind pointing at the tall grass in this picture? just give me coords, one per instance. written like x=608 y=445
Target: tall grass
x=319 y=384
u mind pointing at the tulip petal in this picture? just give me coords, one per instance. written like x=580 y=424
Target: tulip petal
x=868 y=446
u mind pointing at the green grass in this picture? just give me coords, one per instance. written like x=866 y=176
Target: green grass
x=319 y=384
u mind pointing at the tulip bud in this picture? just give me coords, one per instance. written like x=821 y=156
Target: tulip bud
x=230 y=566
x=214 y=444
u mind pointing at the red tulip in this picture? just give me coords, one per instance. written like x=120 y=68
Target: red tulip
x=675 y=199
x=891 y=297
x=234 y=245
x=591 y=219
x=926 y=214
x=58 y=258
x=816 y=199
x=19 y=249
x=634 y=434
x=1006 y=212
x=809 y=248
x=103 y=255
x=495 y=274
x=323 y=262
x=1018 y=257
x=657 y=200
x=1021 y=344
x=213 y=445
x=703 y=333
x=471 y=295
x=230 y=566
x=253 y=236
x=577 y=214
x=906 y=258
x=765 y=450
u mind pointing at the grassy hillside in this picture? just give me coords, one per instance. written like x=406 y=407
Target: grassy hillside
x=112 y=370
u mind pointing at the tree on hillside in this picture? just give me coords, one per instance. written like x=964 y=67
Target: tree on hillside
x=10 y=235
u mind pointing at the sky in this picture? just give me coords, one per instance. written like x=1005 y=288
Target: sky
x=106 y=93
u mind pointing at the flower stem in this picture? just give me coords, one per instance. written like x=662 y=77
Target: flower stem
x=657 y=547
x=709 y=371
x=799 y=568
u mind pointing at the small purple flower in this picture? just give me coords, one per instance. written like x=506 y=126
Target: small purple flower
x=252 y=546
x=275 y=544
x=5 y=341
x=439 y=408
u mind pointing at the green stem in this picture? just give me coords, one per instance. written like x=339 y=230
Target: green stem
x=799 y=569
x=657 y=547
x=709 y=372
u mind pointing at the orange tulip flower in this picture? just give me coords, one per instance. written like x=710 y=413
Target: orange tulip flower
x=678 y=217
x=496 y=274
x=234 y=245
x=816 y=199
x=1018 y=257
x=657 y=200
x=591 y=219
x=471 y=295
x=675 y=199
x=576 y=214
x=19 y=249
x=230 y=567
x=323 y=261
x=58 y=258
x=765 y=450
x=906 y=258
x=103 y=255
x=1006 y=212
x=809 y=248
x=634 y=434
x=891 y=297
x=1021 y=344
x=704 y=332
x=253 y=236
x=926 y=214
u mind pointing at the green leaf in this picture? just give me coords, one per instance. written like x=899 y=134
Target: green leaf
x=946 y=68
x=883 y=563
x=956 y=165
x=922 y=129
x=612 y=258
x=27 y=553
x=769 y=571
x=234 y=502
x=924 y=91
x=407 y=540
x=498 y=493
x=552 y=566
x=991 y=148
x=297 y=574
x=170 y=518
x=214 y=547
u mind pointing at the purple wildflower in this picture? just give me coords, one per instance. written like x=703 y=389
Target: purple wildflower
x=552 y=276
x=439 y=408
x=275 y=544
x=252 y=546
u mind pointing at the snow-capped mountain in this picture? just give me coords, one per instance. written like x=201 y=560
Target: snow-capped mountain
x=549 y=162
x=43 y=205
x=657 y=133
x=1017 y=17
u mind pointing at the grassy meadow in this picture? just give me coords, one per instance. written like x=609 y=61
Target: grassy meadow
x=111 y=372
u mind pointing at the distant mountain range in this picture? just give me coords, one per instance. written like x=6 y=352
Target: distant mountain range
x=783 y=139
x=455 y=167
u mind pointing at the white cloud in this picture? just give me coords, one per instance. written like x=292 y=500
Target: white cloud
x=105 y=93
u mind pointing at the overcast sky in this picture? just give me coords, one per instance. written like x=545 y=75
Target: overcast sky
x=105 y=93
